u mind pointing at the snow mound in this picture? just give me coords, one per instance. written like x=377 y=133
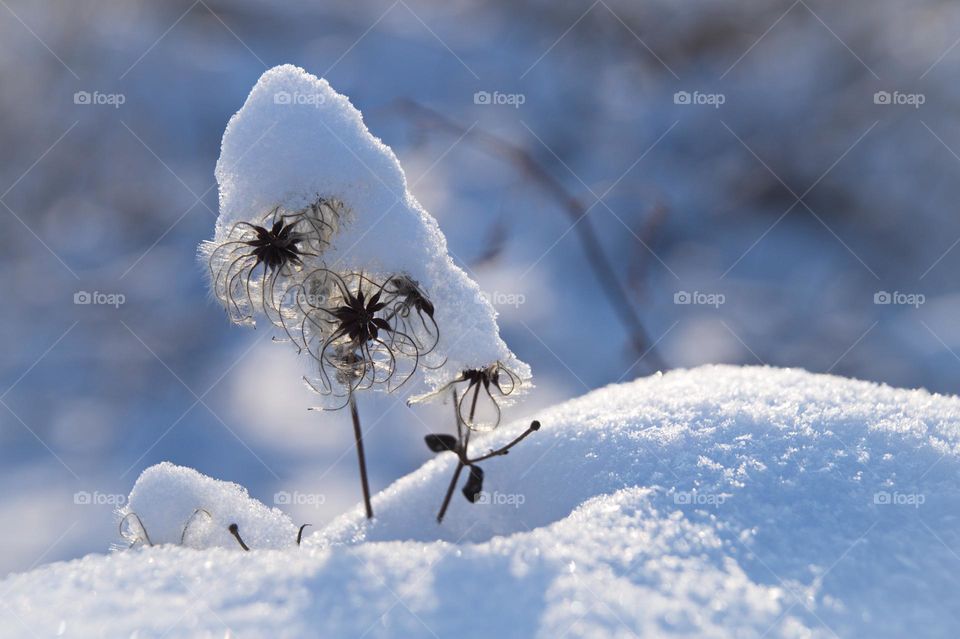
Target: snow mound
x=721 y=501
x=176 y=504
x=296 y=140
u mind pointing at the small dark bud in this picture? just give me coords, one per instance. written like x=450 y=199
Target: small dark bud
x=474 y=485
x=441 y=443
x=235 y=531
x=535 y=425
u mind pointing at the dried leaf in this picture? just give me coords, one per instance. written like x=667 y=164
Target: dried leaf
x=474 y=485
x=440 y=443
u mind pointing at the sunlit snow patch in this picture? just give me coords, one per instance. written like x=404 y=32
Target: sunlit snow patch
x=172 y=504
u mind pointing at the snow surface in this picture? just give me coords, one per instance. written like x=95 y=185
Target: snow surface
x=719 y=501
x=296 y=139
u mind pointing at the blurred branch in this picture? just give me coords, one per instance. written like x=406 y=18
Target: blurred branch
x=493 y=246
x=648 y=232
x=603 y=270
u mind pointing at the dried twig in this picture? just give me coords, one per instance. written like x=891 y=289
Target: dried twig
x=460 y=445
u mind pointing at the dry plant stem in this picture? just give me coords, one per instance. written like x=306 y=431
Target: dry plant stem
x=235 y=531
x=358 y=435
x=506 y=449
x=300 y=533
x=449 y=495
x=463 y=445
x=616 y=293
x=462 y=453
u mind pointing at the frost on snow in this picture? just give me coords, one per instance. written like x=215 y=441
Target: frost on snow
x=313 y=210
x=722 y=501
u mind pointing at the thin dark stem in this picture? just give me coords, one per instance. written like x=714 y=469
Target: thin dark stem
x=300 y=533
x=446 y=499
x=456 y=415
x=463 y=442
x=603 y=269
x=358 y=435
x=473 y=409
x=534 y=426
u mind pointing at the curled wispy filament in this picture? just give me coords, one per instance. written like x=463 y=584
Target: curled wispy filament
x=360 y=330
x=482 y=385
x=142 y=537
x=251 y=265
x=411 y=309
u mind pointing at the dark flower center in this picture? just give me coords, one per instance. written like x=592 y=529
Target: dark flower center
x=276 y=247
x=358 y=318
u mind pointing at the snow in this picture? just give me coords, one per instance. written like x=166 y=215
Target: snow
x=296 y=139
x=174 y=503
x=718 y=501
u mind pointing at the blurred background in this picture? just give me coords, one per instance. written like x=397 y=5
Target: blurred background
x=637 y=184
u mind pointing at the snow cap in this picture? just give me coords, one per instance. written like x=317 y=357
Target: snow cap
x=296 y=140
x=173 y=504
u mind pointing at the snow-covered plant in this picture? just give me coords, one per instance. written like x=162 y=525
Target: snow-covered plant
x=493 y=381
x=319 y=238
x=252 y=264
x=361 y=332
x=460 y=446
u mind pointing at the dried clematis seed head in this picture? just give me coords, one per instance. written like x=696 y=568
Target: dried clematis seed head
x=251 y=264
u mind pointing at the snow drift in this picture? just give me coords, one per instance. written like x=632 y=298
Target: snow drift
x=719 y=501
